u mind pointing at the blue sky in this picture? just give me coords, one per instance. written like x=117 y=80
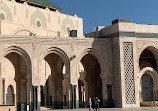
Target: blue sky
x=103 y=12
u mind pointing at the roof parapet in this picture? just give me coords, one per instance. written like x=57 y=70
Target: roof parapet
x=121 y=20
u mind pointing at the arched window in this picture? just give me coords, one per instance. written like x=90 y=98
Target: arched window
x=10 y=96
x=10 y=90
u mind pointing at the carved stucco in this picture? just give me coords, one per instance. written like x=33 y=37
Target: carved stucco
x=6 y=10
x=37 y=15
x=67 y=23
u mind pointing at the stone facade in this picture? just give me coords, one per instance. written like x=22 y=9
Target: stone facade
x=134 y=56
x=40 y=65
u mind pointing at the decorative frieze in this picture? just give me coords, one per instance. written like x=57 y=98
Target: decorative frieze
x=54 y=41
x=5 y=10
x=38 y=19
x=67 y=23
x=46 y=41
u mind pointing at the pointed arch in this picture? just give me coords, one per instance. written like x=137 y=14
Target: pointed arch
x=22 y=53
x=151 y=51
x=98 y=56
x=60 y=53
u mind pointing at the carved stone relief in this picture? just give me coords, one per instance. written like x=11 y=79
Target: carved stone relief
x=38 y=19
x=5 y=12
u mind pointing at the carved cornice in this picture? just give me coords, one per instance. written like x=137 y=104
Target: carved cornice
x=72 y=42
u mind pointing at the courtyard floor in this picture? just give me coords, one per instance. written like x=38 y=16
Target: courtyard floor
x=102 y=109
x=109 y=109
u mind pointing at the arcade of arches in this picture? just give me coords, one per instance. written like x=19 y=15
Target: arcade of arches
x=54 y=88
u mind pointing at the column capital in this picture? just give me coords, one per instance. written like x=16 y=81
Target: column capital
x=35 y=86
x=74 y=85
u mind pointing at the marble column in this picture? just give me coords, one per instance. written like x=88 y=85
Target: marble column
x=1 y=90
x=77 y=97
x=69 y=98
x=31 y=107
x=28 y=92
x=17 y=94
x=74 y=96
x=1 y=87
x=36 y=98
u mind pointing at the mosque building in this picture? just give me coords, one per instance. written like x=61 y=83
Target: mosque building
x=46 y=61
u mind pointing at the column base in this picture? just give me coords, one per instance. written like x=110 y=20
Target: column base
x=21 y=106
x=58 y=104
x=38 y=106
x=31 y=106
x=77 y=104
x=70 y=104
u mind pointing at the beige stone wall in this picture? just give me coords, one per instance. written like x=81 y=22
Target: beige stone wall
x=138 y=28
x=8 y=74
x=52 y=23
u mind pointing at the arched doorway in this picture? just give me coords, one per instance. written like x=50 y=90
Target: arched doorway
x=90 y=76
x=16 y=70
x=57 y=82
x=147 y=88
x=20 y=70
x=10 y=96
x=148 y=72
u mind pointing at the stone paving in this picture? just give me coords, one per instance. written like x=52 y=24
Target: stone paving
x=6 y=108
x=102 y=109
x=111 y=109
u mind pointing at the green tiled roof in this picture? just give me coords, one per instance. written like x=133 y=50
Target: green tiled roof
x=45 y=3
